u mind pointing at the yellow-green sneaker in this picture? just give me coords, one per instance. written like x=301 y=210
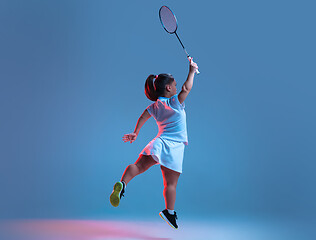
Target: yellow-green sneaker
x=118 y=192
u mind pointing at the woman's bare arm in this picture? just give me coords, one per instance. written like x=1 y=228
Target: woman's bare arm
x=131 y=137
x=142 y=119
x=188 y=84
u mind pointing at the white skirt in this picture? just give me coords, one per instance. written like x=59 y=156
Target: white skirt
x=166 y=152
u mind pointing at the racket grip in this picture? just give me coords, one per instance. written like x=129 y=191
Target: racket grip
x=197 y=70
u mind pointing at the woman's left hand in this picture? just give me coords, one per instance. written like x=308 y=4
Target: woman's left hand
x=129 y=137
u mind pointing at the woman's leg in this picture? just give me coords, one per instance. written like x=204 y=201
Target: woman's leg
x=143 y=163
x=170 y=180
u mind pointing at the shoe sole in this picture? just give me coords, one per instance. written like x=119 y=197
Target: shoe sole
x=115 y=195
x=166 y=219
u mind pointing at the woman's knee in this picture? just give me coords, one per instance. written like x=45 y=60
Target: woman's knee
x=170 y=186
x=170 y=177
x=170 y=183
x=144 y=162
x=140 y=167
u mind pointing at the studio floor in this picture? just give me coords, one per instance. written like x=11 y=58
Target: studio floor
x=119 y=229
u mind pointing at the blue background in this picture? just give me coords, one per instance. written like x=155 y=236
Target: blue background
x=72 y=84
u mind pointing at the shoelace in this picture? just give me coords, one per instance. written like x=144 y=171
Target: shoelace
x=123 y=190
x=122 y=193
x=175 y=215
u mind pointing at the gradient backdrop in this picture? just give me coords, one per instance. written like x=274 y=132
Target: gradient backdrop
x=72 y=84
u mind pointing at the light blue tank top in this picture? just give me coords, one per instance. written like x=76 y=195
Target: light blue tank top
x=171 y=118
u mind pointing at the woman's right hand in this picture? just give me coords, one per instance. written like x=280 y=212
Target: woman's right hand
x=129 y=137
x=193 y=66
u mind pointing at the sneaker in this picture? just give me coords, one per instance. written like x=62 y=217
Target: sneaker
x=117 y=194
x=169 y=218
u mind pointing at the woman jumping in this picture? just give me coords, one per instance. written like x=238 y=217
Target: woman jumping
x=167 y=148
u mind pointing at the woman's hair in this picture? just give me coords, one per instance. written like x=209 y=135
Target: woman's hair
x=155 y=87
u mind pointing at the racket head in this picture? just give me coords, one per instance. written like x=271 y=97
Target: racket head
x=168 y=19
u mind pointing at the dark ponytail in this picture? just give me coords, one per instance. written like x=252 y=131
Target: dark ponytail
x=150 y=91
x=155 y=87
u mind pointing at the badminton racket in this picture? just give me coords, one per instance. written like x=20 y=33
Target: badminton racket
x=170 y=24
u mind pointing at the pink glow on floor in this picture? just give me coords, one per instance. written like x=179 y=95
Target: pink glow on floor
x=76 y=229
x=216 y=229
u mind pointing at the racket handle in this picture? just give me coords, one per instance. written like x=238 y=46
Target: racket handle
x=197 y=70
